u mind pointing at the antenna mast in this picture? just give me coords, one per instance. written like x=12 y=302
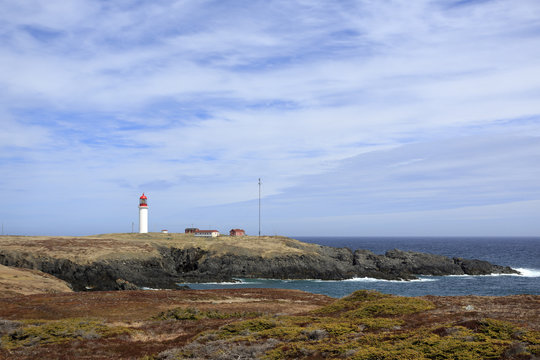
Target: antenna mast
x=259 y=207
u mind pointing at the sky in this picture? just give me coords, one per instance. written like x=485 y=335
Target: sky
x=361 y=118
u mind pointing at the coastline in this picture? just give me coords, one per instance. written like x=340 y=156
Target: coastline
x=155 y=260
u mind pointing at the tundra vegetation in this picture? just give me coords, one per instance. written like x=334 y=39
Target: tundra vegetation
x=267 y=324
x=366 y=326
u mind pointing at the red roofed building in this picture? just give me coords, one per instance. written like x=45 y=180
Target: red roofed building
x=237 y=232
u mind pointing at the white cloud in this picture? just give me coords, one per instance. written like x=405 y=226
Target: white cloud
x=198 y=99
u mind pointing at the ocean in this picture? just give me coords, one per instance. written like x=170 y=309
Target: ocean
x=520 y=253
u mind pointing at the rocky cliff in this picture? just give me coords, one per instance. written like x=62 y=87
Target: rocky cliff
x=162 y=262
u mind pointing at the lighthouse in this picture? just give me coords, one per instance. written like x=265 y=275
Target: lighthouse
x=143 y=215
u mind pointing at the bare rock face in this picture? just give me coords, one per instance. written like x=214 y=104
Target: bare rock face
x=480 y=267
x=407 y=264
x=341 y=263
x=172 y=266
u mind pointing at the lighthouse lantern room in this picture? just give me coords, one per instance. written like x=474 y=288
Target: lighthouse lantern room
x=143 y=214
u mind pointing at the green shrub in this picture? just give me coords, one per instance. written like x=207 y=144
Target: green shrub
x=247 y=326
x=364 y=303
x=390 y=306
x=47 y=332
x=195 y=314
x=497 y=329
x=351 y=301
x=380 y=323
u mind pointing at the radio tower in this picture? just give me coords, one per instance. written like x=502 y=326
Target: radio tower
x=259 y=207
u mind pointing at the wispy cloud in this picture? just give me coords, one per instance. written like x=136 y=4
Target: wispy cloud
x=194 y=100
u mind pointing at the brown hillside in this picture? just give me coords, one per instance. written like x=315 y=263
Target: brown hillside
x=16 y=281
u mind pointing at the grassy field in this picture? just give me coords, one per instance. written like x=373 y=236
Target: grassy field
x=87 y=249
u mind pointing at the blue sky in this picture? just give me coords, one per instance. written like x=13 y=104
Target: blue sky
x=361 y=117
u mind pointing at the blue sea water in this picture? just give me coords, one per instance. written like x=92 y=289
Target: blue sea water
x=520 y=253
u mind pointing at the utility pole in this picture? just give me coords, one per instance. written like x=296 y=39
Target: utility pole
x=259 y=207
x=132 y=226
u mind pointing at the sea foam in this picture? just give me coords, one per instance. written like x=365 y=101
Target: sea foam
x=367 y=279
x=529 y=272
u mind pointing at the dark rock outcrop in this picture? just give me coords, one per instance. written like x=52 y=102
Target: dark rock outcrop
x=407 y=264
x=112 y=274
x=174 y=265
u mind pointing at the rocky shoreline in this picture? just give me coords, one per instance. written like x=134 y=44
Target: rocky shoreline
x=170 y=265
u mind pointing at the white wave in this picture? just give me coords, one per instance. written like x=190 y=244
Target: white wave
x=364 y=279
x=216 y=283
x=367 y=279
x=148 y=288
x=237 y=282
x=529 y=272
x=522 y=272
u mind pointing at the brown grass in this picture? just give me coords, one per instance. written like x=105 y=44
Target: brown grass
x=140 y=305
x=15 y=281
x=84 y=250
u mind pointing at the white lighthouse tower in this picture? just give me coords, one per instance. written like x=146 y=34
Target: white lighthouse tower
x=143 y=215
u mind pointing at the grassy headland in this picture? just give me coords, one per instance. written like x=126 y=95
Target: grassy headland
x=86 y=249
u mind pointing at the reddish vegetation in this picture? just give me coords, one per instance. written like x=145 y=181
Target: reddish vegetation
x=141 y=305
x=523 y=310
x=135 y=310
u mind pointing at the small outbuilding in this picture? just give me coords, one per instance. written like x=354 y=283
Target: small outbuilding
x=237 y=232
x=164 y=231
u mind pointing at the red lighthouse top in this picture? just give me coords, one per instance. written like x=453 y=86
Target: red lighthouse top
x=142 y=200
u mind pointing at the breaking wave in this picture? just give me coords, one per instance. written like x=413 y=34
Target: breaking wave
x=522 y=272
x=366 y=279
x=528 y=272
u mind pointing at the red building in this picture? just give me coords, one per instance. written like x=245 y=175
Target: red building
x=237 y=232
x=191 y=230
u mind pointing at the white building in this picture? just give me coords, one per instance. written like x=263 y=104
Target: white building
x=206 y=233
